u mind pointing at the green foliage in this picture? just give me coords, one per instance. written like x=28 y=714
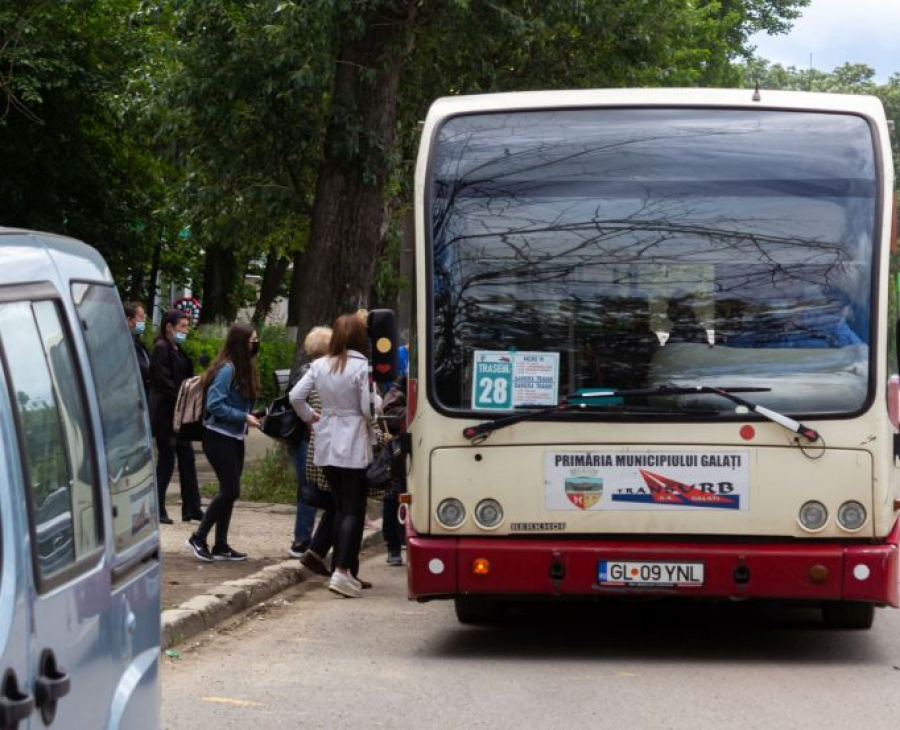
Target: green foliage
x=244 y=100
x=76 y=160
x=126 y=120
x=276 y=352
x=271 y=478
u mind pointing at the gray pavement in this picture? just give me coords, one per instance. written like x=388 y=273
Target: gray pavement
x=314 y=660
x=197 y=596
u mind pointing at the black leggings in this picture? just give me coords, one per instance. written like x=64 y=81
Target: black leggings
x=226 y=456
x=349 y=489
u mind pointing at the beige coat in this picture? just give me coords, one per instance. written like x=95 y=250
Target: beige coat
x=343 y=432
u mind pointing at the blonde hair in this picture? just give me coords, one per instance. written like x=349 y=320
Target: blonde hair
x=317 y=341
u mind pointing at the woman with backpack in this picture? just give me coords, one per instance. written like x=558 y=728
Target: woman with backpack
x=231 y=385
x=169 y=366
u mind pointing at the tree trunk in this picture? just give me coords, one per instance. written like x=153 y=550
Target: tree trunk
x=276 y=266
x=336 y=272
x=220 y=277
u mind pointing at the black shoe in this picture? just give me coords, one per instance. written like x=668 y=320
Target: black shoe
x=166 y=520
x=364 y=584
x=192 y=516
x=297 y=549
x=227 y=553
x=314 y=563
x=198 y=547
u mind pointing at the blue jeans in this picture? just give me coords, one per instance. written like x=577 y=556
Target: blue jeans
x=306 y=512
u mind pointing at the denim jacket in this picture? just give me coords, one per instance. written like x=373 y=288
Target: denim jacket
x=226 y=406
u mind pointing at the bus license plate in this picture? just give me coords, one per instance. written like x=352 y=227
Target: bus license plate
x=649 y=574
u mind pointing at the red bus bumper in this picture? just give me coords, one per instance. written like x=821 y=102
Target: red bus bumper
x=441 y=567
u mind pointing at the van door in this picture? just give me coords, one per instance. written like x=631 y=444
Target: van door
x=134 y=631
x=70 y=657
x=16 y=698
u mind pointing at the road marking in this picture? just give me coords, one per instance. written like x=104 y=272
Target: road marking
x=231 y=701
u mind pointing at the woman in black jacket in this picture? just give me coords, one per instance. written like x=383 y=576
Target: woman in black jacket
x=169 y=366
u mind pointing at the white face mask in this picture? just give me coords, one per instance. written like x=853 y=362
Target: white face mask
x=180 y=337
x=139 y=327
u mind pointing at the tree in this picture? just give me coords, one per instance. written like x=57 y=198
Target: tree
x=390 y=50
x=73 y=162
x=245 y=104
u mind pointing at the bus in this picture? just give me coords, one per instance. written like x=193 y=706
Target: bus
x=652 y=351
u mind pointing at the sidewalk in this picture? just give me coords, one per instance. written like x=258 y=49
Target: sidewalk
x=198 y=595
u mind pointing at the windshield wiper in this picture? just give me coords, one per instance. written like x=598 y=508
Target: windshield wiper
x=728 y=393
x=481 y=431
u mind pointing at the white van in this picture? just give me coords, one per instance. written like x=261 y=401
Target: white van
x=79 y=539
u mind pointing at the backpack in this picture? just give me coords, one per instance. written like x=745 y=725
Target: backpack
x=188 y=419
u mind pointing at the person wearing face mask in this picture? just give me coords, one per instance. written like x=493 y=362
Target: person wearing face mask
x=169 y=366
x=231 y=384
x=136 y=319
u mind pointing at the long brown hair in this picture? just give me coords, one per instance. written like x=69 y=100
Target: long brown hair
x=347 y=333
x=236 y=350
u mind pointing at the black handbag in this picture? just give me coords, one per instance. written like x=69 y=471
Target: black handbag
x=378 y=473
x=282 y=423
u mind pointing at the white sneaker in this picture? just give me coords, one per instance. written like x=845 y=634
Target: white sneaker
x=344 y=585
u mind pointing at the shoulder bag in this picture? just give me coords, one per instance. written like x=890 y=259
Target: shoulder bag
x=282 y=423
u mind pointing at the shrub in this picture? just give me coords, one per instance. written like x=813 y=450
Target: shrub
x=271 y=478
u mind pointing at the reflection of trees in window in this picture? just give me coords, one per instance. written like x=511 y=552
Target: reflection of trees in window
x=43 y=441
x=550 y=248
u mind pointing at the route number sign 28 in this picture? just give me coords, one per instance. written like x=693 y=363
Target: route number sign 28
x=492 y=382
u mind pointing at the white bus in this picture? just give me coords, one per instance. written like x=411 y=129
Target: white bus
x=651 y=351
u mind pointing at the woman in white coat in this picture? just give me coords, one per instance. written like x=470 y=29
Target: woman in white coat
x=343 y=438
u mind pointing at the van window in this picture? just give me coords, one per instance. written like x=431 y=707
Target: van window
x=125 y=426
x=54 y=435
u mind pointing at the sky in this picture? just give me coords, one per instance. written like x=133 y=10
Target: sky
x=836 y=32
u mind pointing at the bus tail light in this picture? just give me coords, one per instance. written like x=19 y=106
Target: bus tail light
x=481 y=566
x=488 y=513
x=813 y=516
x=451 y=513
x=851 y=515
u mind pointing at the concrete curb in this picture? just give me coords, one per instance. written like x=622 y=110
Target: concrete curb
x=203 y=612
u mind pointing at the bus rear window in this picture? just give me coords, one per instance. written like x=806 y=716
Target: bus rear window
x=635 y=247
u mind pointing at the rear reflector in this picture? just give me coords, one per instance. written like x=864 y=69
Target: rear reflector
x=481 y=566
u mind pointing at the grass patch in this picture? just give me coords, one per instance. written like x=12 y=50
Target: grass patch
x=270 y=479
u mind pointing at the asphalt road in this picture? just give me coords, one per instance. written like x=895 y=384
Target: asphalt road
x=314 y=660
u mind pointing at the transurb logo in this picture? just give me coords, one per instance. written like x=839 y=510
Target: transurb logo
x=584 y=492
x=665 y=490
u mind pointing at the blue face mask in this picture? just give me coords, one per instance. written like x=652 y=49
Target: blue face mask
x=139 y=327
x=180 y=337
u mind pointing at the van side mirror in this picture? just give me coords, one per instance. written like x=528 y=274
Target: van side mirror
x=385 y=341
